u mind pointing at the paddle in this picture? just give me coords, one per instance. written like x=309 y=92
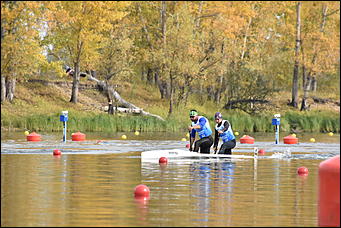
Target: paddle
x=190 y=140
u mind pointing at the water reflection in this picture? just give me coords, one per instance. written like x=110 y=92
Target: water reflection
x=212 y=182
x=141 y=203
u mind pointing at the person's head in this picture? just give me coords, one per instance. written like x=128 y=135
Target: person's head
x=193 y=115
x=218 y=117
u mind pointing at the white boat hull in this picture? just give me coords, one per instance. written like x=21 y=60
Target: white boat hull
x=178 y=154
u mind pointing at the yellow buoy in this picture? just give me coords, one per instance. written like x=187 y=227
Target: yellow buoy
x=137 y=133
x=124 y=137
x=183 y=139
x=236 y=133
x=330 y=133
x=27 y=132
x=312 y=140
x=293 y=134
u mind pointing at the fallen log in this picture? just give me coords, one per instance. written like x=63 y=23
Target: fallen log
x=104 y=87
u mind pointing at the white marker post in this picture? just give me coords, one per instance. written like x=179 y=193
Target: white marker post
x=276 y=122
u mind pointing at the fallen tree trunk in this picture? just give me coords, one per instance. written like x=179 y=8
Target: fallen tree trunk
x=105 y=88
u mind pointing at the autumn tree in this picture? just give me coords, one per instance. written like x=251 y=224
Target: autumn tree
x=21 y=53
x=294 y=93
x=320 y=44
x=76 y=30
x=241 y=37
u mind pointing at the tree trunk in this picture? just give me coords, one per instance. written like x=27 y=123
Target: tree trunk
x=313 y=84
x=245 y=39
x=199 y=14
x=75 y=85
x=304 y=75
x=294 y=98
x=156 y=78
x=3 y=89
x=163 y=21
x=171 y=95
x=10 y=89
x=210 y=93
x=217 y=96
x=110 y=100
x=162 y=85
x=306 y=88
x=149 y=75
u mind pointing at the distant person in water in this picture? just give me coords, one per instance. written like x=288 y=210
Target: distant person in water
x=201 y=126
x=224 y=131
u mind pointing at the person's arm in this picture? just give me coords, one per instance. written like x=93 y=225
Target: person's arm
x=202 y=122
x=226 y=127
x=191 y=139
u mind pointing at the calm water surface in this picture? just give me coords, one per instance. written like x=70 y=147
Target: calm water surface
x=92 y=183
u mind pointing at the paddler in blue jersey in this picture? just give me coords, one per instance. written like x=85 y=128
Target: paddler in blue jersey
x=224 y=131
x=201 y=125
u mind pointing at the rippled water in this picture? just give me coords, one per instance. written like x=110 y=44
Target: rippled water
x=92 y=183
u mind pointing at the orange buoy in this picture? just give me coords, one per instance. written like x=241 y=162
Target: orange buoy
x=329 y=192
x=247 y=139
x=33 y=137
x=78 y=136
x=163 y=160
x=290 y=139
x=141 y=190
x=57 y=152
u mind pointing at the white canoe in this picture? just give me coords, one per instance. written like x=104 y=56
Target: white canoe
x=178 y=154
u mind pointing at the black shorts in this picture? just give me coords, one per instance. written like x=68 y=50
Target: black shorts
x=227 y=146
x=204 y=144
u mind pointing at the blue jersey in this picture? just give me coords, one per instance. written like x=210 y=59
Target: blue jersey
x=205 y=129
x=226 y=135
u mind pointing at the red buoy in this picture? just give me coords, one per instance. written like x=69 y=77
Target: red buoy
x=141 y=190
x=302 y=171
x=247 y=139
x=261 y=152
x=57 y=152
x=163 y=160
x=187 y=145
x=329 y=193
x=78 y=136
x=33 y=137
x=290 y=139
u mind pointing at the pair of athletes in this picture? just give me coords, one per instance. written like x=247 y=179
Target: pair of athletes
x=201 y=126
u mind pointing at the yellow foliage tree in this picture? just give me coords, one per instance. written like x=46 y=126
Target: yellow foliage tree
x=77 y=29
x=21 y=54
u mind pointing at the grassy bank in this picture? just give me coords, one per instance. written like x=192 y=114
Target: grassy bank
x=38 y=107
x=242 y=122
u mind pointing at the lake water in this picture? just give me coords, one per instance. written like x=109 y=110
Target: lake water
x=92 y=183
